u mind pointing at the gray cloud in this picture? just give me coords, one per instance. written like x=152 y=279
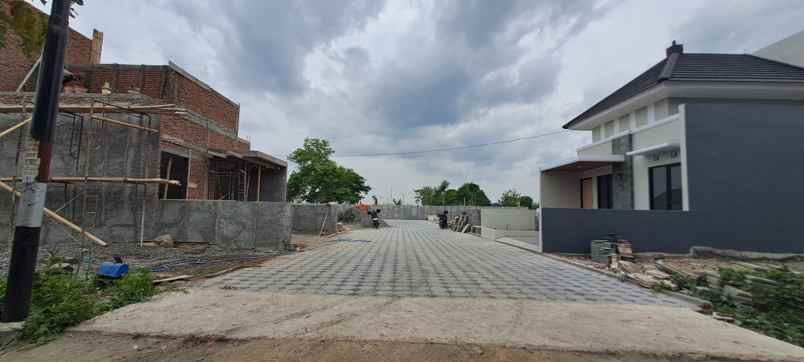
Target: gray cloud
x=265 y=42
x=377 y=76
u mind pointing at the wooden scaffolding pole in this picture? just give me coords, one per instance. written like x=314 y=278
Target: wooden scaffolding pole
x=58 y=218
x=169 y=166
x=259 y=180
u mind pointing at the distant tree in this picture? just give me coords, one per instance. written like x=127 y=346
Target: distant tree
x=397 y=202
x=319 y=179
x=471 y=194
x=510 y=198
x=526 y=201
x=425 y=195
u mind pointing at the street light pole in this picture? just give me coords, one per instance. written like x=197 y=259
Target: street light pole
x=36 y=169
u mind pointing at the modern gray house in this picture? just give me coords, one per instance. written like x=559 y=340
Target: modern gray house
x=699 y=150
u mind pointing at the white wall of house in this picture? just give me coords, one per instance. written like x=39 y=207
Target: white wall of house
x=789 y=50
x=560 y=189
x=602 y=148
x=628 y=123
x=650 y=125
x=669 y=130
x=508 y=218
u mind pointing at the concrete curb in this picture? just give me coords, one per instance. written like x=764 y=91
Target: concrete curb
x=687 y=298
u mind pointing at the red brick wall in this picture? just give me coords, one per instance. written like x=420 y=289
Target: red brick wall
x=197 y=179
x=207 y=103
x=15 y=64
x=162 y=82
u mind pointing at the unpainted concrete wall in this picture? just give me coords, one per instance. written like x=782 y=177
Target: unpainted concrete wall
x=508 y=218
x=234 y=224
x=309 y=218
x=416 y=212
x=113 y=210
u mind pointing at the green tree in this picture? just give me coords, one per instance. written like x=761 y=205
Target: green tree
x=526 y=201
x=471 y=194
x=319 y=179
x=510 y=198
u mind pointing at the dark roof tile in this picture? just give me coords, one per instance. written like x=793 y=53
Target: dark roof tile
x=699 y=67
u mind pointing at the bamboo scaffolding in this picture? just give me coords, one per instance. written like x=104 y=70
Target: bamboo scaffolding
x=80 y=108
x=14 y=127
x=124 y=124
x=58 y=218
x=133 y=180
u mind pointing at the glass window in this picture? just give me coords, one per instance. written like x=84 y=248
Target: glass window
x=665 y=187
x=596 y=134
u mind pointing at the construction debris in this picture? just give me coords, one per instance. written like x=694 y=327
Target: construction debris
x=165 y=240
x=173 y=279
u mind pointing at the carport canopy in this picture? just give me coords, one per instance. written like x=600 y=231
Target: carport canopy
x=583 y=163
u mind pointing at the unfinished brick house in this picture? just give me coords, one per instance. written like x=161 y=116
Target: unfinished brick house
x=127 y=138
x=199 y=140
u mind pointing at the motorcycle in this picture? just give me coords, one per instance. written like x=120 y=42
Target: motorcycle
x=375 y=218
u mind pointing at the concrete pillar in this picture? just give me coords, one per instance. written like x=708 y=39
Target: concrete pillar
x=623 y=174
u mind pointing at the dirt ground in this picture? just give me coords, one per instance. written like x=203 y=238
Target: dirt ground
x=96 y=347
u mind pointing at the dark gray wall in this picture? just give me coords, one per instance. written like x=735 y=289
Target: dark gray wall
x=571 y=230
x=744 y=170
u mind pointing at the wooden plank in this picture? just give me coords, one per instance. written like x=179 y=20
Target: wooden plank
x=58 y=218
x=14 y=127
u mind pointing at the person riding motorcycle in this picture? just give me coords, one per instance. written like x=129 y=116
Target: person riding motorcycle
x=375 y=218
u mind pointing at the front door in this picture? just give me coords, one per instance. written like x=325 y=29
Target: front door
x=586 y=193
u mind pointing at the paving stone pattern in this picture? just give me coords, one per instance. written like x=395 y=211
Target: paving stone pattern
x=414 y=258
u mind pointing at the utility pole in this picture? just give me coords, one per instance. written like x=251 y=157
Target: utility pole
x=36 y=169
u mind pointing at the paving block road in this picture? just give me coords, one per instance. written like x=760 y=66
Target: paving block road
x=415 y=258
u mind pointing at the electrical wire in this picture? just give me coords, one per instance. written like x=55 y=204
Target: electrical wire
x=453 y=148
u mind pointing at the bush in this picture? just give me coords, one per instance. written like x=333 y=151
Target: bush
x=777 y=310
x=58 y=301
x=137 y=286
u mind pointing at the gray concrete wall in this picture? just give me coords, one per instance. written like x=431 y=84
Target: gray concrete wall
x=744 y=188
x=416 y=212
x=509 y=218
x=113 y=209
x=233 y=224
x=309 y=218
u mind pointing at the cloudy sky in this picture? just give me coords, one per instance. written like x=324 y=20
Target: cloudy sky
x=397 y=76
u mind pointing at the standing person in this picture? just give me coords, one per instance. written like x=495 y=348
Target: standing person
x=442 y=220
